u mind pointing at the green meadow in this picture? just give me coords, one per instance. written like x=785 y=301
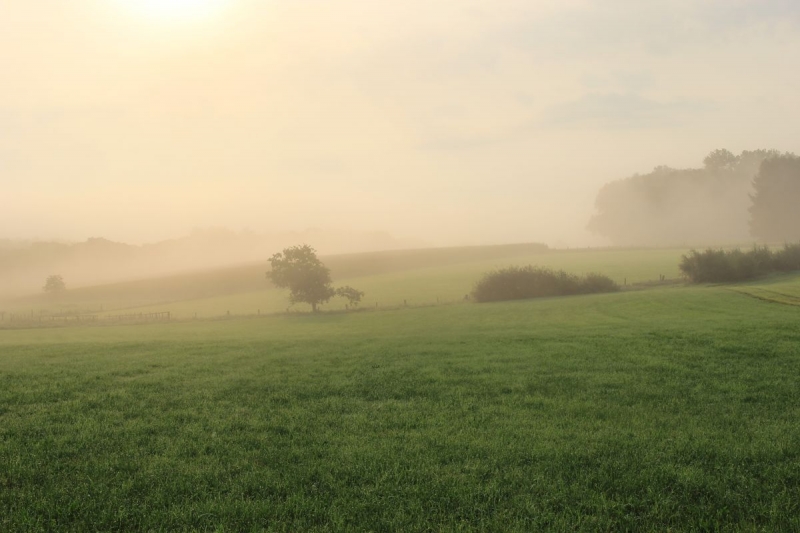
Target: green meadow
x=389 y=279
x=665 y=408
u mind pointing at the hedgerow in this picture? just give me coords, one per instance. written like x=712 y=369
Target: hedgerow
x=725 y=266
x=519 y=283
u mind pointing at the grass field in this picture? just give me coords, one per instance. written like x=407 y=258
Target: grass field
x=389 y=279
x=666 y=409
x=782 y=289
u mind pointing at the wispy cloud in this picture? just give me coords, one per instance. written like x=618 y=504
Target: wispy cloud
x=623 y=111
x=657 y=27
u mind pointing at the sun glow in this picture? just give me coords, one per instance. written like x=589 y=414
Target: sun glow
x=174 y=11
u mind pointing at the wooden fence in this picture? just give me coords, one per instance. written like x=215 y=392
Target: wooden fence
x=164 y=315
x=32 y=317
x=11 y=319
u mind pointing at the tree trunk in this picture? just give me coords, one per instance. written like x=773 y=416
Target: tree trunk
x=314 y=306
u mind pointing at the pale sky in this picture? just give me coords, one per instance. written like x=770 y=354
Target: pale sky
x=453 y=121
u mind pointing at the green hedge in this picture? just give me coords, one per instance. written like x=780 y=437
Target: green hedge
x=518 y=283
x=721 y=266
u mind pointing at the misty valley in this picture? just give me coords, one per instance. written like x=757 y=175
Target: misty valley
x=358 y=266
x=209 y=400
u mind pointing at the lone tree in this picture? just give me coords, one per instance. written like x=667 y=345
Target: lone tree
x=298 y=269
x=54 y=284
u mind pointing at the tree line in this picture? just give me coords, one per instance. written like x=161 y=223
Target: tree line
x=733 y=198
x=724 y=266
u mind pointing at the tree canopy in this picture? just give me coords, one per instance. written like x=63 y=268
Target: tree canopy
x=681 y=206
x=775 y=212
x=309 y=281
x=299 y=269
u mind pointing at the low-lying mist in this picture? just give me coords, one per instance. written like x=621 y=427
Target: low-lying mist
x=24 y=266
x=712 y=205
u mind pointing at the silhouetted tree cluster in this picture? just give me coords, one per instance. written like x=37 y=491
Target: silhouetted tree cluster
x=519 y=283
x=725 y=266
x=775 y=212
x=694 y=205
x=309 y=281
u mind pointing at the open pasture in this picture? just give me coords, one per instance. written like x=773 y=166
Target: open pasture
x=389 y=279
x=249 y=278
x=654 y=410
x=441 y=284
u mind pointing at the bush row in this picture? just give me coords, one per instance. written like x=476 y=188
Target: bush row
x=518 y=283
x=720 y=266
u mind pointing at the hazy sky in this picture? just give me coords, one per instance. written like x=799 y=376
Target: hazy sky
x=457 y=121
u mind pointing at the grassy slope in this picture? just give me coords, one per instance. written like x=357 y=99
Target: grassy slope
x=388 y=278
x=783 y=289
x=653 y=410
x=249 y=278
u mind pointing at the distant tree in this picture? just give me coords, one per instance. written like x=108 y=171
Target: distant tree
x=353 y=295
x=720 y=159
x=750 y=161
x=775 y=211
x=299 y=269
x=679 y=206
x=54 y=284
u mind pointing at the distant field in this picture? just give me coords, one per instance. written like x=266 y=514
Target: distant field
x=250 y=278
x=390 y=279
x=667 y=409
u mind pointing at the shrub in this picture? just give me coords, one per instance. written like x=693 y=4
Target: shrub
x=353 y=295
x=788 y=259
x=518 y=283
x=724 y=266
x=595 y=282
x=710 y=265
